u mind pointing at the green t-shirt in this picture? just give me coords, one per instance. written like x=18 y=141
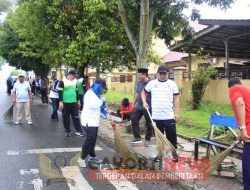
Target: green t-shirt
x=80 y=88
x=69 y=91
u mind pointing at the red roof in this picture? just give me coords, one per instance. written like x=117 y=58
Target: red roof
x=173 y=56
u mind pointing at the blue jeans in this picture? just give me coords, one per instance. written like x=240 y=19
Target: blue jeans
x=55 y=104
x=246 y=166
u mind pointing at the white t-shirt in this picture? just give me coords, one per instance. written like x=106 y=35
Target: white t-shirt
x=54 y=90
x=22 y=91
x=162 y=97
x=91 y=110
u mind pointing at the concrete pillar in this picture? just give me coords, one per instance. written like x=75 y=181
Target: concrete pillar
x=108 y=81
x=178 y=75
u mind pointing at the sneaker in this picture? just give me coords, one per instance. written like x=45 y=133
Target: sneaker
x=79 y=134
x=95 y=159
x=147 y=143
x=158 y=158
x=82 y=163
x=136 y=141
x=29 y=122
x=17 y=123
x=67 y=134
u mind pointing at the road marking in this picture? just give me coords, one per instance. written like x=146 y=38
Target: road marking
x=29 y=172
x=122 y=185
x=37 y=184
x=47 y=150
x=74 y=173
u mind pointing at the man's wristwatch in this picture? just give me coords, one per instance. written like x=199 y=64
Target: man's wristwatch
x=242 y=127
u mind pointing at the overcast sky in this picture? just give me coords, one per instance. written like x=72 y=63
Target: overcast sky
x=240 y=10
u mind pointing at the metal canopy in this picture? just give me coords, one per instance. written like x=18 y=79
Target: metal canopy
x=212 y=40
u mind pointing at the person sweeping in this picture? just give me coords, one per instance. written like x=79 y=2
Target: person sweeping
x=94 y=105
x=164 y=96
x=239 y=96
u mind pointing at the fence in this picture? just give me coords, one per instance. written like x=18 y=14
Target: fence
x=122 y=78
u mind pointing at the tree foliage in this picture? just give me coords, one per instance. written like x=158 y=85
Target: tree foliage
x=201 y=79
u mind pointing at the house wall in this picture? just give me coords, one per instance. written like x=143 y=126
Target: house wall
x=216 y=91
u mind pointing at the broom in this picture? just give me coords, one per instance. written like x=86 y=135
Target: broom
x=8 y=115
x=162 y=142
x=218 y=159
x=121 y=147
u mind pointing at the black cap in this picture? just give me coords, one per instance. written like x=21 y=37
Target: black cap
x=142 y=70
x=72 y=72
x=162 y=69
x=102 y=82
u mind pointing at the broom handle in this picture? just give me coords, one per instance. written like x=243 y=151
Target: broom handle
x=150 y=116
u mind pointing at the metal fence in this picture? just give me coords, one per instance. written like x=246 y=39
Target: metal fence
x=122 y=78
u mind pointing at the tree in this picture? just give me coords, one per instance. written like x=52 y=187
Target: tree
x=5 y=5
x=163 y=18
x=201 y=79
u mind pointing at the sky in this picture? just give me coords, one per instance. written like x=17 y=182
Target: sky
x=239 y=10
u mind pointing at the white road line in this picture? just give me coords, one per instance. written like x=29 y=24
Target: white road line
x=34 y=171
x=37 y=184
x=74 y=173
x=122 y=185
x=47 y=150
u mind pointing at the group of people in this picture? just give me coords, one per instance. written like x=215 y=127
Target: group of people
x=159 y=97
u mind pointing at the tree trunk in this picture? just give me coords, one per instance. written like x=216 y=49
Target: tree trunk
x=97 y=71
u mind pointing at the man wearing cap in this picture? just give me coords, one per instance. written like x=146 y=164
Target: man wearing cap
x=69 y=103
x=94 y=105
x=164 y=96
x=22 y=97
x=139 y=110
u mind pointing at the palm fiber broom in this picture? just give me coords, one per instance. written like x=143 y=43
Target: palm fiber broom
x=162 y=142
x=8 y=115
x=218 y=159
x=120 y=146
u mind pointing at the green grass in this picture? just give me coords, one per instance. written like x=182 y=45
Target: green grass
x=195 y=123
x=115 y=97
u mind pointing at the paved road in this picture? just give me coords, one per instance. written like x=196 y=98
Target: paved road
x=31 y=156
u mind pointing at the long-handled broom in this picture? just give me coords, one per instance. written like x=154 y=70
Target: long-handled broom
x=121 y=147
x=161 y=141
x=218 y=159
x=8 y=115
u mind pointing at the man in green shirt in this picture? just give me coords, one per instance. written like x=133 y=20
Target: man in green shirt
x=69 y=103
x=80 y=91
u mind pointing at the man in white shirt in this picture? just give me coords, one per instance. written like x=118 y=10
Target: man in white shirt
x=94 y=105
x=54 y=96
x=164 y=93
x=22 y=97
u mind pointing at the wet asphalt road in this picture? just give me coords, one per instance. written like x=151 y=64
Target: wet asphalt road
x=24 y=149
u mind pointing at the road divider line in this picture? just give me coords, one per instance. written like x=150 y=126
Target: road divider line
x=80 y=183
x=47 y=150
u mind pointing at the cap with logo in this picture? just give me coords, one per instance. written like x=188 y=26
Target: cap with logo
x=72 y=72
x=163 y=69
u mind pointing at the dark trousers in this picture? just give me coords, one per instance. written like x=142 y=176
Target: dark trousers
x=169 y=128
x=71 y=109
x=88 y=147
x=55 y=105
x=44 y=95
x=81 y=101
x=246 y=166
x=38 y=89
x=135 y=119
x=9 y=88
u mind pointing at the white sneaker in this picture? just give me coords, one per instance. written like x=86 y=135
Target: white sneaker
x=95 y=159
x=17 y=123
x=82 y=163
x=29 y=122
